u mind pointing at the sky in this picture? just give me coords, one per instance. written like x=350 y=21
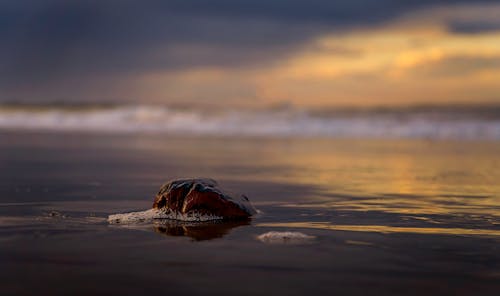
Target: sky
x=311 y=53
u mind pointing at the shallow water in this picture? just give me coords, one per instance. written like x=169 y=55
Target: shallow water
x=382 y=217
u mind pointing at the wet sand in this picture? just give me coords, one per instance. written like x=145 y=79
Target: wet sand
x=388 y=217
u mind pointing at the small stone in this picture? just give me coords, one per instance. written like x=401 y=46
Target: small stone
x=187 y=197
x=54 y=214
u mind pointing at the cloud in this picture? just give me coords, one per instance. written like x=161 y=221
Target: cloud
x=473 y=27
x=48 y=48
x=458 y=66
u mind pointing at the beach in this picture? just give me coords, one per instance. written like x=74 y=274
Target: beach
x=382 y=216
x=250 y=148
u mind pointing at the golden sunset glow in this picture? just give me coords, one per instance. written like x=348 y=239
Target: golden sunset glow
x=410 y=181
x=390 y=67
x=387 y=229
x=399 y=63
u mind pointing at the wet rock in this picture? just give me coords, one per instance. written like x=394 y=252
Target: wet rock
x=201 y=197
x=56 y=214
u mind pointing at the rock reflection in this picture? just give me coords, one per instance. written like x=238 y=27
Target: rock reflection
x=198 y=231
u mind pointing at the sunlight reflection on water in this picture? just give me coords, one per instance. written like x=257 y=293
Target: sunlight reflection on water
x=385 y=229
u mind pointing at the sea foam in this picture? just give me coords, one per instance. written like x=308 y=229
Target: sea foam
x=283 y=237
x=428 y=124
x=152 y=214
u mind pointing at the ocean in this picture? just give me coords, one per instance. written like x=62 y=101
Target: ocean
x=381 y=201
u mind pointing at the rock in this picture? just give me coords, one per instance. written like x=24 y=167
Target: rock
x=201 y=197
x=56 y=214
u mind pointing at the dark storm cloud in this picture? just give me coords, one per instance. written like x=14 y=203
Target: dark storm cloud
x=476 y=27
x=46 y=43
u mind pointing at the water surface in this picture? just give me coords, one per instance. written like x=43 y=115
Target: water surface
x=388 y=217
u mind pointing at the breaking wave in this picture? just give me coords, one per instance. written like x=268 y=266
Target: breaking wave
x=432 y=124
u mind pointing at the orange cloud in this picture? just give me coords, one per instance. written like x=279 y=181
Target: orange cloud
x=403 y=62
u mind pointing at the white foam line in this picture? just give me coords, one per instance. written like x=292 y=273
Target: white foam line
x=152 y=214
x=153 y=119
